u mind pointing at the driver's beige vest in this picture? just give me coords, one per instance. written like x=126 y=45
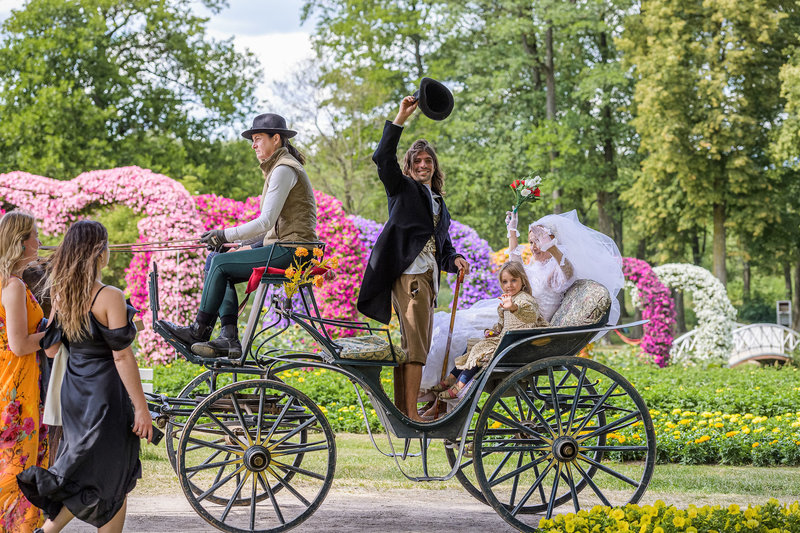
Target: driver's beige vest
x=297 y=220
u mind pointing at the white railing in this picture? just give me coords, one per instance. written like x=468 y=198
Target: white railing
x=763 y=340
x=752 y=341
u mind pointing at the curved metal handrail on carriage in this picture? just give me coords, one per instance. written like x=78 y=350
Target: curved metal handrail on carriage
x=534 y=405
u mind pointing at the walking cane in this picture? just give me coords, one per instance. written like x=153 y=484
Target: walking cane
x=459 y=279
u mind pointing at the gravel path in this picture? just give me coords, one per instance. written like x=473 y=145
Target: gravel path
x=343 y=511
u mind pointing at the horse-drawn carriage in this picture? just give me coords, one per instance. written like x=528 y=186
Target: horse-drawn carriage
x=537 y=428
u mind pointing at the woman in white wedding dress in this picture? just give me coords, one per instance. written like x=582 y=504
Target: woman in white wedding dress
x=563 y=250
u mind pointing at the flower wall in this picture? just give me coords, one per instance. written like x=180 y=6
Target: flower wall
x=168 y=214
x=655 y=301
x=715 y=313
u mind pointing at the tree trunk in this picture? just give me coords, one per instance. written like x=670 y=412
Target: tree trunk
x=796 y=299
x=641 y=249
x=720 y=270
x=550 y=106
x=745 y=281
x=787 y=279
x=697 y=253
x=680 y=313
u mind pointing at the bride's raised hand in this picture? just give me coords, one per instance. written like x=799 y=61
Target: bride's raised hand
x=512 y=222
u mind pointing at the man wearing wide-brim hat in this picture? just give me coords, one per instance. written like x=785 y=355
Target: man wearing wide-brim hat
x=288 y=213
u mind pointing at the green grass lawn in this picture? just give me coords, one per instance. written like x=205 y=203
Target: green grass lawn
x=359 y=466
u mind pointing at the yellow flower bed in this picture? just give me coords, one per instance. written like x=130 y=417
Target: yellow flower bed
x=660 y=518
x=732 y=438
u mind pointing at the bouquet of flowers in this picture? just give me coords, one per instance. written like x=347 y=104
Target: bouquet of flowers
x=307 y=270
x=525 y=190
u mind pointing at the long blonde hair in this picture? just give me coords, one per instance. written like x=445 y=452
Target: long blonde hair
x=15 y=227
x=74 y=267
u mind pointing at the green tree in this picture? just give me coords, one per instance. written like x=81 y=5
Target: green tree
x=538 y=89
x=88 y=84
x=706 y=95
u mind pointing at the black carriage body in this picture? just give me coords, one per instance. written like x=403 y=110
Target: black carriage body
x=536 y=418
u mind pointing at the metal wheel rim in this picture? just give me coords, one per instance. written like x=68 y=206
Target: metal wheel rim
x=279 y=432
x=474 y=490
x=592 y=439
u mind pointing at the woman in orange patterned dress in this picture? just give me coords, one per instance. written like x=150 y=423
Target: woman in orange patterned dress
x=23 y=439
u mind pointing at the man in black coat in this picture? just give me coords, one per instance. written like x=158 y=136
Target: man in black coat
x=410 y=252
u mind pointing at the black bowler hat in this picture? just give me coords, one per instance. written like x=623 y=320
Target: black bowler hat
x=435 y=100
x=269 y=123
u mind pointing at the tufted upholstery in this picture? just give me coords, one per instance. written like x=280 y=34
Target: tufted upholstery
x=585 y=303
x=369 y=348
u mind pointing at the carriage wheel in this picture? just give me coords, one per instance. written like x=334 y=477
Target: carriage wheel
x=466 y=473
x=197 y=389
x=243 y=442
x=545 y=431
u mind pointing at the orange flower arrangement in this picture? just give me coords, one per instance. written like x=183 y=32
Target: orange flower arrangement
x=307 y=271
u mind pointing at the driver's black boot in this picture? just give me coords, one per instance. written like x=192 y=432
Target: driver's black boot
x=188 y=335
x=226 y=345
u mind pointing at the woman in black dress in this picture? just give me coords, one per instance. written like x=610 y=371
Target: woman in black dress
x=98 y=460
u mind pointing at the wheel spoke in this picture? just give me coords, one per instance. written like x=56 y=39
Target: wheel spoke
x=541 y=487
x=553 y=492
x=275 y=505
x=214 y=445
x=520 y=470
x=307 y=448
x=260 y=414
x=236 y=493
x=539 y=480
x=253 y=495
x=239 y=415
x=611 y=426
x=576 y=398
x=277 y=423
x=204 y=465
x=615 y=448
x=572 y=489
x=292 y=433
x=299 y=470
x=535 y=411
x=608 y=470
x=288 y=487
x=593 y=485
x=219 y=483
x=500 y=466
x=595 y=408
x=554 y=397
x=227 y=430
x=516 y=425
x=206 y=460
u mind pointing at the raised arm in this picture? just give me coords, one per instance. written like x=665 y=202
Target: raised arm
x=512 y=221
x=385 y=156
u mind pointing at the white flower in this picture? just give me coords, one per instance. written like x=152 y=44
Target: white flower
x=533 y=182
x=525 y=192
x=713 y=340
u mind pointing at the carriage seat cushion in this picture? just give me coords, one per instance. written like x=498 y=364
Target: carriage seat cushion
x=370 y=348
x=585 y=303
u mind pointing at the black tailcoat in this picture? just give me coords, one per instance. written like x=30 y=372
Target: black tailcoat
x=409 y=227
